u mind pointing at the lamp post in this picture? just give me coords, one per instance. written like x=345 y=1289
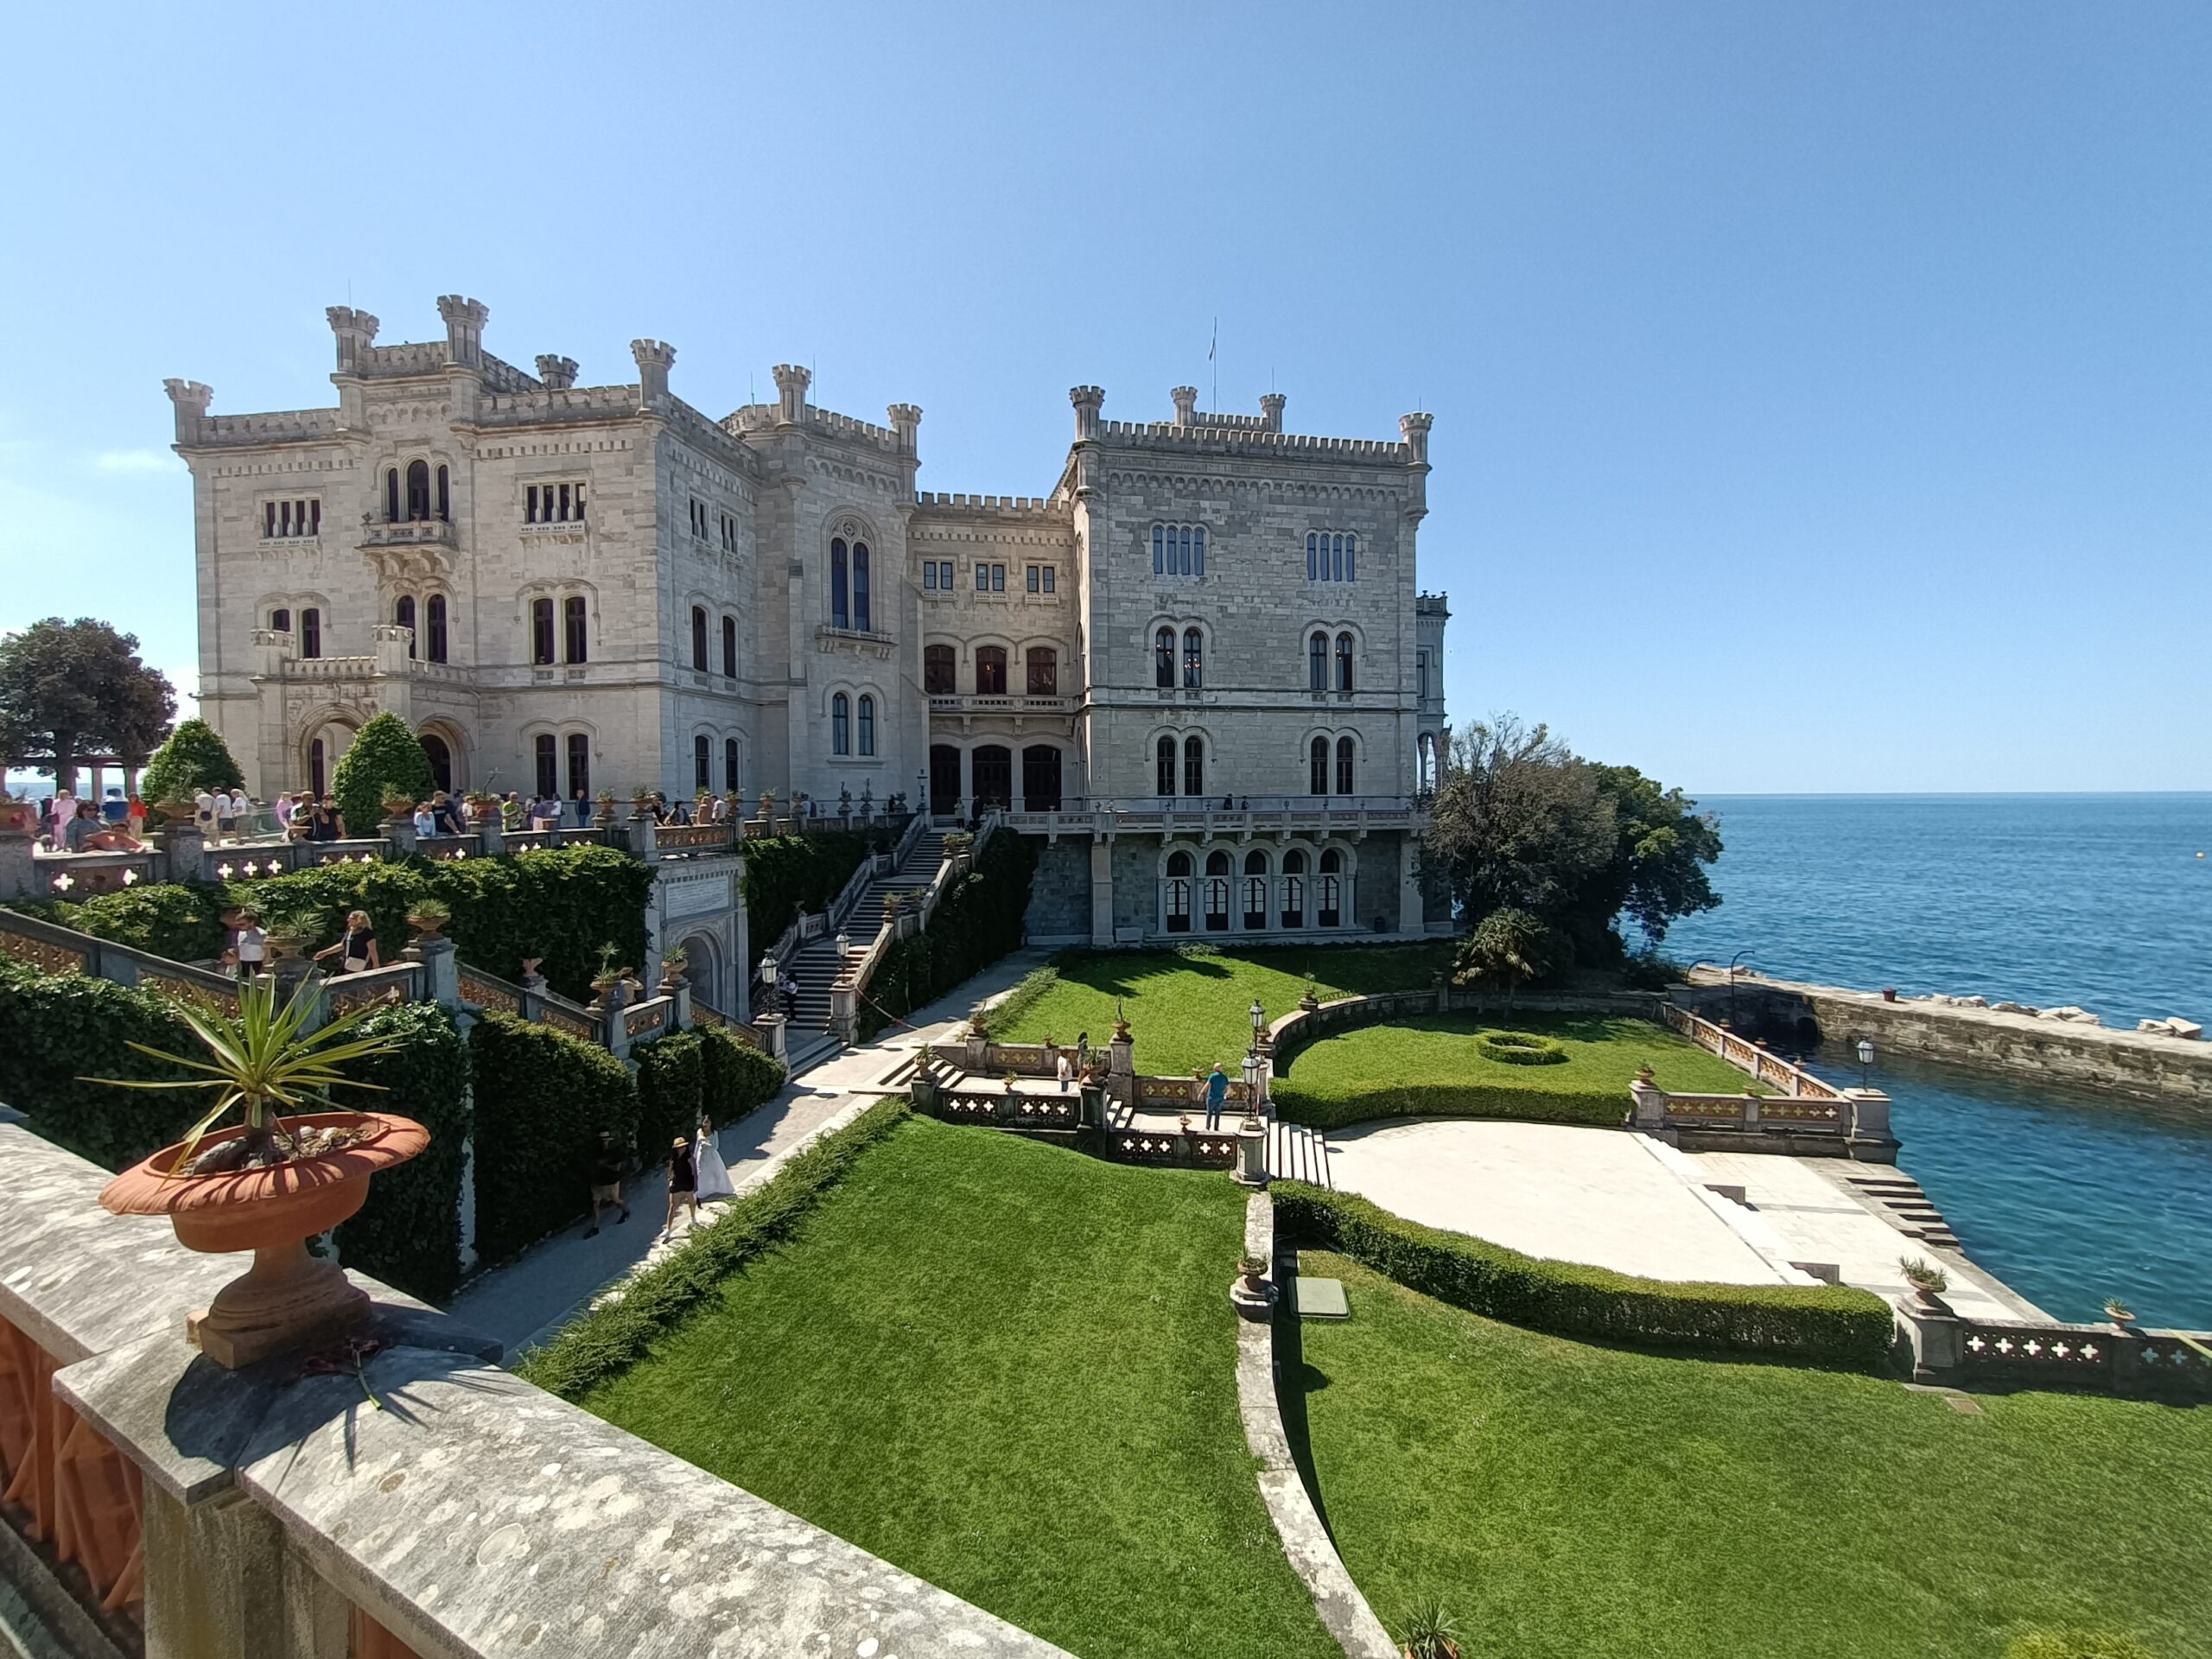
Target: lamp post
x=1259 y=1023
x=1866 y=1060
x=1732 y=961
x=768 y=983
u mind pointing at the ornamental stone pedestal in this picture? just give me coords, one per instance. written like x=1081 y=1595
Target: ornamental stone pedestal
x=1251 y=1154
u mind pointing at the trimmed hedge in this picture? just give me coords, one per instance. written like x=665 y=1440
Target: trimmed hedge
x=1519 y=1048
x=1011 y=1009
x=1445 y=1097
x=735 y=1077
x=409 y=1232
x=617 y=1331
x=542 y=1098
x=670 y=1078
x=1833 y=1325
x=979 y=921
x=784 y=874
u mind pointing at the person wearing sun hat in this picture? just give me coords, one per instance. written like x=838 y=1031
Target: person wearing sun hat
x=683 y=1184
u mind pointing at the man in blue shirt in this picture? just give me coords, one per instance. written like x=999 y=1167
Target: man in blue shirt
x=1217 y=1093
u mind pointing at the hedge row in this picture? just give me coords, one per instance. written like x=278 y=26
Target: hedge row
x=784 y=874
x=542 y=1098
x=563 y=904
x=1820 y=1325
x=979 y=920
x=1008 y=1011
x=58 y=1030
x=687 y=1073
x=618 y=1330
x=1446 y=1097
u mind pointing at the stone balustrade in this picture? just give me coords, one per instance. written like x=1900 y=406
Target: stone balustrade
x=1846 y=1124
x=1943 y=1347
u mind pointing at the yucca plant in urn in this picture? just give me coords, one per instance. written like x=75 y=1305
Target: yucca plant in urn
x=283 y=1172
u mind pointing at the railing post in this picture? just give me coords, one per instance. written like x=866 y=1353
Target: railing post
x=1120 y=1064
x=440 y=981
x=641 y=837
x=1869 y=1112
x=492 y=834
x=771 y=1027
x=1647 y=1105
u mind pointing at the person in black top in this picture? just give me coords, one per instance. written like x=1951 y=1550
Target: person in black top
x=608 y=1165
x=683 y=1185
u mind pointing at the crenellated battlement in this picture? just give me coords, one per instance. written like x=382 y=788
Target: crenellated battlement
x=500 y=375
x=1250 y=435
x=1029 y=506
x=282 y=426
x=765 y=418
x=1431 y=604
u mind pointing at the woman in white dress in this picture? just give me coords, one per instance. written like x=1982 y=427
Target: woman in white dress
x=714 y=1173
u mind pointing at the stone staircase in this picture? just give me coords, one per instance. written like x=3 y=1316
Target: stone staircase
x=1298 y=1154
x=1909 y=1208
x=817 y=964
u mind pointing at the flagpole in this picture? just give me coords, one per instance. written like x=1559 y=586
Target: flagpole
x=1213 y=346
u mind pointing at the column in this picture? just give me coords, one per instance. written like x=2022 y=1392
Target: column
x=1102 y=893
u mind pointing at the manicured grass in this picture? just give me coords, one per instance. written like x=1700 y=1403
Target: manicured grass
x=1187 y=1011
x=1565 y=1500
x=1429 y=1063
x=1010 y=1369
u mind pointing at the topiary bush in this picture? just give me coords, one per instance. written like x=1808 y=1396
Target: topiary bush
x=385 y=759
x=409 y=1232
x=194 y=758
x=735 y=1077
x=542 y=1098
x=1519 y=1048
x=1819 y=1325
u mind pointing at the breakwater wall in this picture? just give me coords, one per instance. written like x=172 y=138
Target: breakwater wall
x=2140 y=1066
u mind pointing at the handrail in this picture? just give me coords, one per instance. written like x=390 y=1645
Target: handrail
x=1747 y=1057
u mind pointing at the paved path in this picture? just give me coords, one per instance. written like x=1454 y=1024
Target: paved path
x=528 y=1300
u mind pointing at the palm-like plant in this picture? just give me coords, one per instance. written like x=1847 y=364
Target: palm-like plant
x=266 y=1063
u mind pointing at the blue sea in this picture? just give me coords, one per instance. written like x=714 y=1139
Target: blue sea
x=2095 y=899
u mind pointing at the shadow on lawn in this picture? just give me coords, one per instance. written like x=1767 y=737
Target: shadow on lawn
x=1296 y=1380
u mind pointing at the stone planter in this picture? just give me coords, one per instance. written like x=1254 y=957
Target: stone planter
x=429 y=927
x=288 y=1297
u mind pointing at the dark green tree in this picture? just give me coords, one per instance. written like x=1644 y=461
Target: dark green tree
x=70 y=690
x=384 y=760
x=1519 y=821
x=194 y=758
x=1511 y=948
x=1663 y=845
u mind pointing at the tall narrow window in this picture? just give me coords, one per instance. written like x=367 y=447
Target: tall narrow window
x=577 y=642
x=445 y=496
x=1420 y=675
x=729 y=647
x=702 y=754
x=541 y=631
x=1163 y=659
x=281 y=621
x=1194 y=766
x=1351 y=558
x=391 y=496
x=1331 y=893
x=579 y=766
x=548 y=765
x=1164 y=757
x=936 y=671
x=1216 y=892
x=437 y=618
x=1256 y=889
x=311 y=633
x=1316 y=767
x=418 y=489
x=1316 y=661
x=1176 y=900
x=730 y=765
x=1294 y=889
x=860 y=586
x=1344 y=662
x=403 y=614
x=991 y=670
x=699 y=637
x=840 y=724
x=1344 y=766
x=840 y=609
x=868 y=724
x=1044 y=671
x=1198 y=551
x=1312 y=557
x=1194 y=658
x=1159 y=550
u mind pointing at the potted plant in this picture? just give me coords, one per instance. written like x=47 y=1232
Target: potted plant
x=923 y=1087
x=1928 y=1281
x=2121 y=1315
x=276 y=1179
x=1253 y=1271
x=671 y=968
x=1426 y=1631
x=605 y=979
x=292 y=933
x=641 y=800
x=427 y=917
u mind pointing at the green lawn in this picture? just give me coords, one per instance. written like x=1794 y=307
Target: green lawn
x=1429 y=1063
x=1008 y=1367
x=1568 y=1500
x=1187 y=1011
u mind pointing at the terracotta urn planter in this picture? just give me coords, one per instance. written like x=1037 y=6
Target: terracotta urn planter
x=288 y=1297
x=18 y=818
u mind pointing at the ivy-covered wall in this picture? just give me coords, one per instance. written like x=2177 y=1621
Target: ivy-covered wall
x=979 y=921
x=785 y=874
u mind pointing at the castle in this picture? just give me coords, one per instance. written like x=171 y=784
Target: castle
x=1198 y=667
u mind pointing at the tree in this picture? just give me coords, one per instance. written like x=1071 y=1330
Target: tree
x=1663 y=845
x=194 y=758
x=1511 y=948
x=69 y=690
x=1519 y=821
x=384 y=760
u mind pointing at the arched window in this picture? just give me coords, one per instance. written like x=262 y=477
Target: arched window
x=1316 y=767
x=702 y=755
x=860 y=586
x=991 y=670
x=729 y=647
x=548 y=755
x=576 y=628
x=1164 y=758
x=1044 y=671
x=318 y=768
x=437 y=609
x=445 y=496
x=699 y=637
x=1178 y=551
x=1163 y=659
x=840 y=612
x=1194 y=766
x=1316 y=661
x=1177 y=896
x=867 y=725
x=1329 y=913
x=579 y=768
x=311 y=633
x=1344 y=766
x=281 y=621
x=730 y=765
x=1344 y=662
x=390 y=497
x=418 y=489
x=841 y=717
x=440 y=754
x=403 y=614
x=936 y=671
x=1216 y=892
x=1256 y=889
x=1351 y=558
x=541 y=631
x=1194 y=658
x=1293 y=888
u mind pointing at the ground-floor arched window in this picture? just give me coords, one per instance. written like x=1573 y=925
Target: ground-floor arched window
x=1216 y=892
x=1176 y=899
x=1256 y=889
x=1293 y=888
x=1328 y=911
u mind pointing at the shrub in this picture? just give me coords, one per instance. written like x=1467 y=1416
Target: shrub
x=385 y=759
x=1510 y=949
x=1647 y=970
x=618 y=1330
x=785 y=874
x=181 y=920
x=1011 y=1009
x=670 y=1092
x=978 y=921
x=194 y=758
x=1822 y=1324
x=409 y=1232
x=1447 y=1097
x=542 y=1098
x=735 y=1077
x=1519 y=1048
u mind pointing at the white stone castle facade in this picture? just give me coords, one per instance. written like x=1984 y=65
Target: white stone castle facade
x=1199 y=666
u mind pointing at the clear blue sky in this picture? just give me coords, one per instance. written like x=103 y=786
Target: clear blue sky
x=1823 y=392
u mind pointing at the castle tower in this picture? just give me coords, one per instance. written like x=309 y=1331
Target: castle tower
x=1185 y=399
x=655 y=358
x=792 y=382
x=1271 y=404
x=559 y=373
x=905 y=422
x=1088 y=401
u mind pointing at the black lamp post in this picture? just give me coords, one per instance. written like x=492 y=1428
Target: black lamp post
x=1866 y=1060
